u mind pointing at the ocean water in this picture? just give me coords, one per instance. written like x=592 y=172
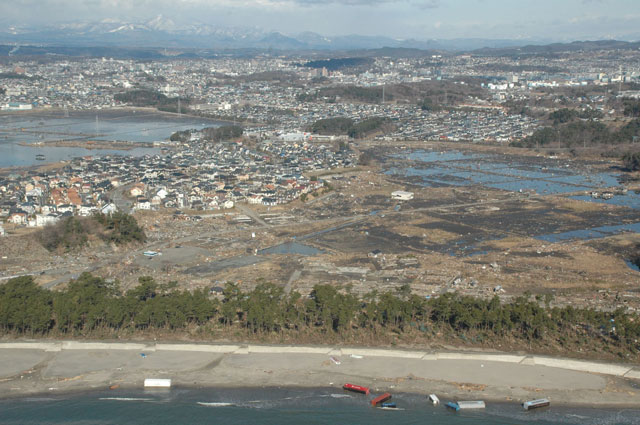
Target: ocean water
x=278 y=406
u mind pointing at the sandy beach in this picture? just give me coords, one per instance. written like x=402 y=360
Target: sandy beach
x=28 y=368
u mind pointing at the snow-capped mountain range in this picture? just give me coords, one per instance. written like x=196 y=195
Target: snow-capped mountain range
x=164 y=32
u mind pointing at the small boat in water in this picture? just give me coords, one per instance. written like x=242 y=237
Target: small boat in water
x=40 y=157
x=356 y=389
x=452 y=405
x=535 y=404
x=434 y=399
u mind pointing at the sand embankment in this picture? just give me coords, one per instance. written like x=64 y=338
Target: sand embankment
x=37 y=367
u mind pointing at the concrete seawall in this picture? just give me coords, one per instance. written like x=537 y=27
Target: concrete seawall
x=627 y=371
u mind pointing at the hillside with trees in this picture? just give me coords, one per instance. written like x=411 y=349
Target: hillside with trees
x=371 y=126
x=18 y=76
x=432 y=94
x=332 y=126
x=181 y=136
x=569 y=131
x=335 y=64
x=347 y=127
x=347 y=94
x=631 y=161
x=429 y=105
x=222 y=134
x=632 y=108
x=152 y=98
x=74 y=233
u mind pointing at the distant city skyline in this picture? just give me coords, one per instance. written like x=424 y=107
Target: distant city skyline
x=551 y=20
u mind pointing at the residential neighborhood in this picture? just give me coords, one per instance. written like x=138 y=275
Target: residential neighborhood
x=198 y=175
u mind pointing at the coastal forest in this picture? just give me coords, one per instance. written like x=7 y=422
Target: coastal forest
x=92 y=307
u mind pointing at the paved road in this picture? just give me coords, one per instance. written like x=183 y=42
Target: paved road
x=251 y=213
x=118 y=198
x=294 y=276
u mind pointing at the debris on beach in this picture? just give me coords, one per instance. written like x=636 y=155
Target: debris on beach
x=536 y=404
x=380 y=399
x=157 y=383
x=470 y=387
x=356 y=388
x=434 y=399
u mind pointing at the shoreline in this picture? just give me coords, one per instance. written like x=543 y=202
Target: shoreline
x=91 y=144
x=127 y=391
x=35 y=368
x=59 y=113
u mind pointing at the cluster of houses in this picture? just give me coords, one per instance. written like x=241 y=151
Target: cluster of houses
x=244 y=88
x=197 y=175
x=38 y=199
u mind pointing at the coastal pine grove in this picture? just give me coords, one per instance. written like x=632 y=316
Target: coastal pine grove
x=93 y=307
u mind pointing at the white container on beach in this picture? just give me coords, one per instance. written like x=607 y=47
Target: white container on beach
x=535 y=404
x=434 y=399
x=471 y=404
x=157 y=383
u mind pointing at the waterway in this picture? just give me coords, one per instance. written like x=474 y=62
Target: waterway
x=134 y=126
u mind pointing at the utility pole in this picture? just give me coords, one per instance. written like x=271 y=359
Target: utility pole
x=179 y=107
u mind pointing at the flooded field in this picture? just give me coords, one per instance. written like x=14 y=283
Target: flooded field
x=528 y=181
x=537 y=175
x=478 y=223
x=596 y=232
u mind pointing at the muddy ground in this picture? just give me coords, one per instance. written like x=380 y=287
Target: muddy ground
x=468 y=231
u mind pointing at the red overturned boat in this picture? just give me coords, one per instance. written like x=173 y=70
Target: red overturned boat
x=356 y=389
x=380 y=399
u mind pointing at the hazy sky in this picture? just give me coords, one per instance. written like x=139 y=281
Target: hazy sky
x=422 y=19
